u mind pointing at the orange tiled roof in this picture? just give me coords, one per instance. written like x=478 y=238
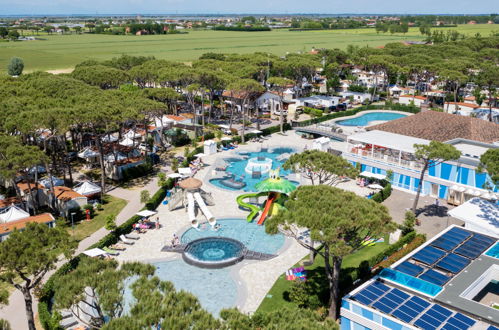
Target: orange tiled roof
x=20 y=224
x=65 y=193
x=416 y=97
x=9 y=201
x=23 y=186
x=463 y=104
x=442 y=126
x=176 y=118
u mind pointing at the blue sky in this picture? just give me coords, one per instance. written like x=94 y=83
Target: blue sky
x=39 y=7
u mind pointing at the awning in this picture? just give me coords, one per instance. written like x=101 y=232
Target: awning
x=95 y=252
x=387 y=140
x=479 y=214
x=146 y=213
x=199 y=155
x=185 y=170
x=174 y=175
x=375 y=186
x=373 y=175
x=226 y=138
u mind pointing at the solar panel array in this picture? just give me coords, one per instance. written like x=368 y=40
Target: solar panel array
x=450 y=253
x=411 y=309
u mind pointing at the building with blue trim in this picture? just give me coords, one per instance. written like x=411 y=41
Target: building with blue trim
x=450 y=282
x=390 y=146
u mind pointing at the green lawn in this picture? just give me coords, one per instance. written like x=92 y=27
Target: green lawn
x=110 y=205
x=65 y=51
x=277 y=296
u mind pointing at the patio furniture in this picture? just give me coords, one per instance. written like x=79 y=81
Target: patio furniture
x=126 y=240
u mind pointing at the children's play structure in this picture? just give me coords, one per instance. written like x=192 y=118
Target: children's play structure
x=275 y=188
x=188 y=196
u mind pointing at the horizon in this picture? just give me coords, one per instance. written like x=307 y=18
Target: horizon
x=256 y=7
x=240 y=14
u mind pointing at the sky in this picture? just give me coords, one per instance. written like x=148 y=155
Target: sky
x=55 y=7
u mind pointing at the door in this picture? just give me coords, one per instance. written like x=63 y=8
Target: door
x=434 y=190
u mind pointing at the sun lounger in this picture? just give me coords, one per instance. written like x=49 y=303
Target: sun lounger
x=110 y=252
x=118 y=247
x=126 y=240
x=132 y=236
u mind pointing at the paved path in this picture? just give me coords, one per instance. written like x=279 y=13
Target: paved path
x=14 y=312
x=433 y=221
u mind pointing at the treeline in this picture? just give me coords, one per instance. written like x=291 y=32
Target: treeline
x=392 y=27
x=241 y=28
x=451 y=19
x=325 y=24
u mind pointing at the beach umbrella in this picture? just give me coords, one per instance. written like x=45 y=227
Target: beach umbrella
x=226 y=138
x=199 y=155
x=375 y=186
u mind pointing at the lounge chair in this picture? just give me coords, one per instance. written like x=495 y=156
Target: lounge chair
x=132 y=236
x=126 y=240
x=118 y=247
x=110 y=251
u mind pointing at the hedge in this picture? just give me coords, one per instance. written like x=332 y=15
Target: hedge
x=397 y=255
x=383 y=194
x=334 y=115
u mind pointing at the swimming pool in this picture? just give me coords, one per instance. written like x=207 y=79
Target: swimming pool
x=214 y=288
x=241 y=168
x=250 y=234
x=366 y=118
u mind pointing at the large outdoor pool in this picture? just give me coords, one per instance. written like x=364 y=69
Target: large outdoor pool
x=248 y=233
x=241 y=168
x=367 y=118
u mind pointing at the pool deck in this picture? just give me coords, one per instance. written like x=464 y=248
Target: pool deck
x=253 y=278
x=349 y=130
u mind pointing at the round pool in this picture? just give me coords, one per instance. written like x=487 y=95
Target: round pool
x=213 y=252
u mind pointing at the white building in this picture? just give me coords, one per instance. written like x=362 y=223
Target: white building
x=408 y=99
x=460 y=108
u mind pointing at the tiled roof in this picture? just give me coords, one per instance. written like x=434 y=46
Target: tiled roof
x=176 y=118
x=463 y=104
x=416 y=97
x=9 y=201
x=20 y=224
x=441 y=126
x=23 y=186
x=66 y=194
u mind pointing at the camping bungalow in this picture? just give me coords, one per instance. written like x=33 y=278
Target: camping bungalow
x=68 y=200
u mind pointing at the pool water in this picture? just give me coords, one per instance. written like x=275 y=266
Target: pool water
x=214 y=288
x=248 y=233
x=237 y=167
x=365 y=119
x=214 y=249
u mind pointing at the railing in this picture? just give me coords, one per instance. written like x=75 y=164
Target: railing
x=321 y=130
x=388 y=159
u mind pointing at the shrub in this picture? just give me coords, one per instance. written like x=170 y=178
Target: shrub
x=16 y=66
x=409 y=222
x=417 y=241
x=136 y=171
x=144 y=196
x=383 y=193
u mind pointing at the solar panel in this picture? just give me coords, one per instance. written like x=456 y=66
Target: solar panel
x=468 y=251
x=464 y=319
x=435 y=277
x=492 y=328
x=485 y=239
x=459 y=232
x=449 y=241
x=429 y=255
x=372 y=292
x=424 y=325
x=409 y=268
x=457 y=323
x=453 y=263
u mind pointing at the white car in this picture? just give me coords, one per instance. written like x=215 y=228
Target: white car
x=278 y=112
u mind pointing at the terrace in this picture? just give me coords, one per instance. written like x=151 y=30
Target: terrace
x=387 y=148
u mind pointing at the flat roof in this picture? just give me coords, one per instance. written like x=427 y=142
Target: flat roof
x=452 y=297
x=479 y=212
x=388 y=140
x=470 y=149
x=453 y=294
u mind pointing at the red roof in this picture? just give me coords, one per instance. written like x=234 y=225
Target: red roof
x=20 y=224
x=463 y=104
x=66 y=194
x=416 y=97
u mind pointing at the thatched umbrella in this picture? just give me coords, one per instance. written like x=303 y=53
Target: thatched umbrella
x=190 y=184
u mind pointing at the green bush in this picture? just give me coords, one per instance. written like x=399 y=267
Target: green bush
x=383 y=194
x=409 y=222
x=136 y=171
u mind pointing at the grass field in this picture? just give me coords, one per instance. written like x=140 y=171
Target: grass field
x=277 y=296
x=65 y=51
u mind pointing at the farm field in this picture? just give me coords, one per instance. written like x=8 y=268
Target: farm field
x=65 y=51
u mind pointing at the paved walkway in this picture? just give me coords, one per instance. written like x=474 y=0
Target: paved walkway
x=433 y=220
x=14 y=312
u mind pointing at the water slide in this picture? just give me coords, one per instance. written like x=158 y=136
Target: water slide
x=247 y=206
x=266 y=210
x=190 y=210
x=204 y=209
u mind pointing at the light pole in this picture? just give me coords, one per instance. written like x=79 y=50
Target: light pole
x=72 y=222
